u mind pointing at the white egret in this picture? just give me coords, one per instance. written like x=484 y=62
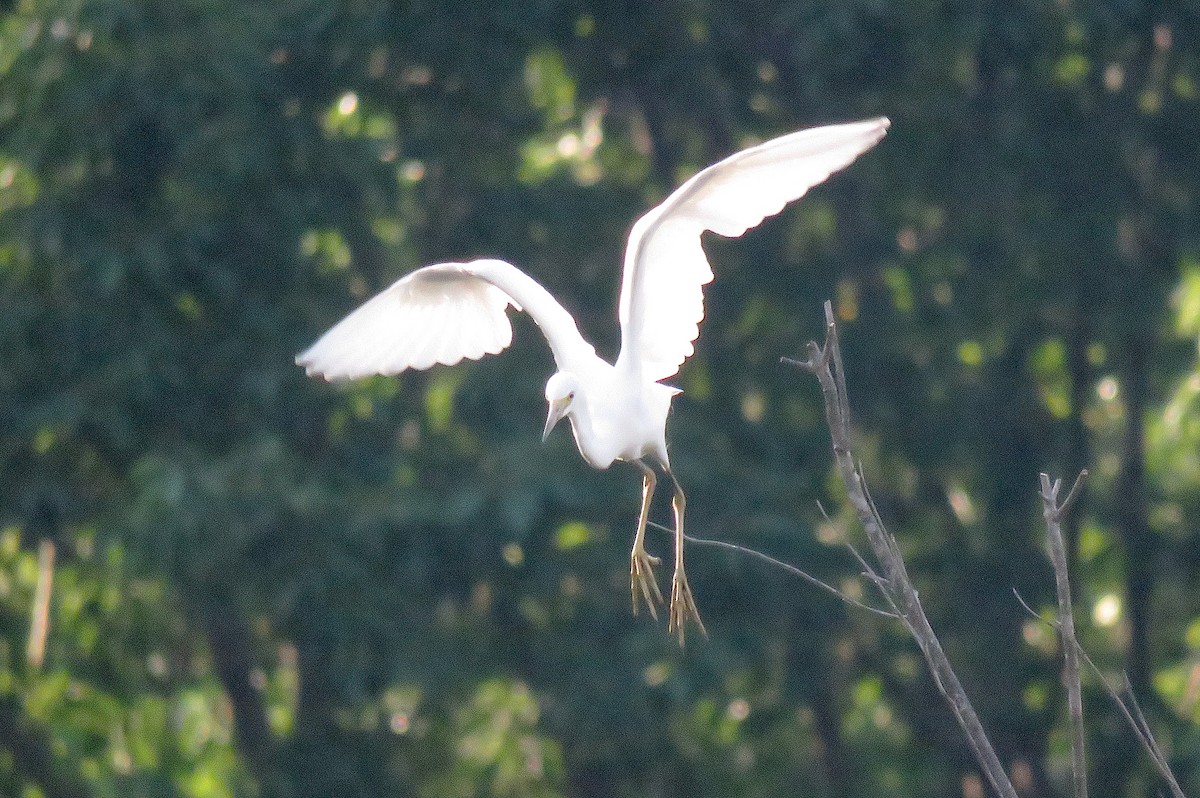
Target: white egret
x=618 y=411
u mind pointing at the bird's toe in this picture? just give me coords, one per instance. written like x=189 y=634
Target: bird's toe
x=642 y=582
x=683 y=607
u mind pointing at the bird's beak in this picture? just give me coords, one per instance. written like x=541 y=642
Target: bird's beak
x=558 y=409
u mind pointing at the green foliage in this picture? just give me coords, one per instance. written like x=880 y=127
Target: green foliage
x=269 y=586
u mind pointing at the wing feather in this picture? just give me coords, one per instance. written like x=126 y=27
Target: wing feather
x=443 y=313
x=662 y=300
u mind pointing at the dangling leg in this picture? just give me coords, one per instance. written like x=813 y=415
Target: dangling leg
x=641 y=564
x=683 y=606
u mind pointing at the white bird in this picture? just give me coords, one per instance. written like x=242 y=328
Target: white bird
x=618 y=411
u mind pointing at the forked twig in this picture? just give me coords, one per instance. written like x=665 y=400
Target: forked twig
x=825 y=362
x=1073 y=652
x=1053 y=512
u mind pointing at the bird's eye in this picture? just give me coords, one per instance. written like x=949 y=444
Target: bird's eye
x=571 y=395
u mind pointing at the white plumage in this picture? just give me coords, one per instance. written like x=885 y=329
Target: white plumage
x=451 y=311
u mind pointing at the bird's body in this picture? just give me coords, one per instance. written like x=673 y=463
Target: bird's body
x=617 y=411
x=617 y=418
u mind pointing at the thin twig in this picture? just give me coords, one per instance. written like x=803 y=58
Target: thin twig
x=826 y=364
x=1032 y=612
x=791 y=569
x=1135 y=718
x=867 y=570
x=1147 y=738
x=1053 y=512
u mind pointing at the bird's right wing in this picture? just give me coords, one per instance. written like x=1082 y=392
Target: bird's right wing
x=662 y=289
x=441 y=314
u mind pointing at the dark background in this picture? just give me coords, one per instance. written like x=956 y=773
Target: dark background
x=268 y=586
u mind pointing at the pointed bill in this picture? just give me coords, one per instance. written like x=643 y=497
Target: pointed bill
x=558 y=409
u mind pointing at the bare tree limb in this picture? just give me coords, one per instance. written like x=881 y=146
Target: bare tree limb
x=1053 y=513
x=825 y=362
x=1131 y=709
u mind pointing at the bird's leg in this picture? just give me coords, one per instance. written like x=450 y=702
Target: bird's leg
x=641 y=564
x=683 y=605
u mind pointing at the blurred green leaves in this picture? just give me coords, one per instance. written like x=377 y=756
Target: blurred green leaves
x=498 y=750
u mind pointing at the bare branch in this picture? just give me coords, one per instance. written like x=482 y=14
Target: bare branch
x=1032 y=612
x=1053 y=513
x=1073 y=493
x=1134 y=717
x=791 y=569
x=867 y=570
x=1142 y=728
x=826 y=364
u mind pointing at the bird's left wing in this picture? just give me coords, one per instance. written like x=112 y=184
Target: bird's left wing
x=662 y=300
x=441 y=314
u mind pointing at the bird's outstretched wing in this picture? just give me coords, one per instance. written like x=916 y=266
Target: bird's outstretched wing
x=662 y=300
x=441 y=314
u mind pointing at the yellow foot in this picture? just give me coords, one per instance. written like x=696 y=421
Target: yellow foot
x=641 y=580
x=683 y=606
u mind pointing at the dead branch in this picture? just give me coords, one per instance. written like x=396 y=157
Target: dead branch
x=825 y=362
x=1073 y=652
x=1053 y=512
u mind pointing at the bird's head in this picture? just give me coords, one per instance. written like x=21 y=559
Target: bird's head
x=561 y=391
